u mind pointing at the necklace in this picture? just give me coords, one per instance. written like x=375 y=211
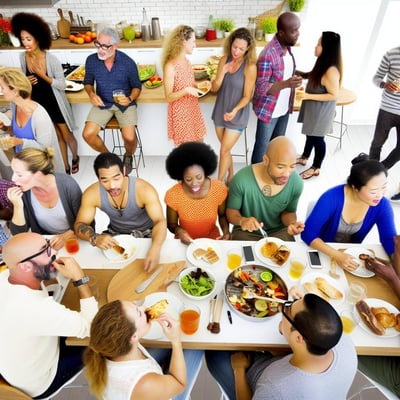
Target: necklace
x=119 y=208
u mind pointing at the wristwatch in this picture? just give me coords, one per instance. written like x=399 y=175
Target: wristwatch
x=81 y=281
x=382 y=85
x=93 y=239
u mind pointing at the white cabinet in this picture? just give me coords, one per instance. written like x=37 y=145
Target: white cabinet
x=10 y=58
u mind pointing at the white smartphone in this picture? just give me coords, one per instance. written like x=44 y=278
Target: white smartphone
x=314 y=259
x=248 y=254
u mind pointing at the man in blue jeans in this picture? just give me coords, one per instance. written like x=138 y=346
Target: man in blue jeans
x=274 y=95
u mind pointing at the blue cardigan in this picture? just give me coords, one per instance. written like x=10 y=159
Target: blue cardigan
x=323 y=222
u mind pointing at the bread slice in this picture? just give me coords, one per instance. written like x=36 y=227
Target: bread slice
x=268 y=249
x=311 y=287
x=211 y=256
x=153 y=312
x=387 y=320
x=328 y=289
x=281 y=255
x=199 y=253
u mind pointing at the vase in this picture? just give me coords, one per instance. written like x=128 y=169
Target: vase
x=220 y=34
x=269 y=37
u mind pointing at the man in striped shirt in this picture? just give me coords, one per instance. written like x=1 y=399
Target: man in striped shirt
x=276 y=79
x=389 y=112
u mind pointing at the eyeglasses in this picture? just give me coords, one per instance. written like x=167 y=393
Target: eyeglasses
x=287 y=305
x=47 y=248
x=102 y=46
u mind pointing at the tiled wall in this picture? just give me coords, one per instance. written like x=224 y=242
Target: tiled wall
x=171 y=13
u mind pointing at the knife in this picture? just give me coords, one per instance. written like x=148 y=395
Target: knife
x=143 y=286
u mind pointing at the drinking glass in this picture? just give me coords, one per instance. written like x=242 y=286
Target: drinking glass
x=118 y=95
x=190 y=319
x=357 y=291
x=296 y=268
x=234 y=258
x=348 y=321
x=129 y=33
x=72 y=245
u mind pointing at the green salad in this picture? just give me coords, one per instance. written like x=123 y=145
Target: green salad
x=197 y=283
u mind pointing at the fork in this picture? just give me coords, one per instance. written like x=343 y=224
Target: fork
x=262 y=231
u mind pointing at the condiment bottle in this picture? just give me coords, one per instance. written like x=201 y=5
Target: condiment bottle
x=251 y=26
x=146 y=30
x=155 y=28
x=211 y=33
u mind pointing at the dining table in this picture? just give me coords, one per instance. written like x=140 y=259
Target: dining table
x=237 y=332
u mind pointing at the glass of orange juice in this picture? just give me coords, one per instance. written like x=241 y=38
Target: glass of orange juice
x=348 y=321
x=72 y=245
x=234 y=258
x=190 y=319
x=296 y=268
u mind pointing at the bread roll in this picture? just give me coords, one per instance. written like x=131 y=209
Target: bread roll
x=369 y=318
x=311 y=287
x=387 y=320
x=328 y=289
x=377 y=310
x=268 y=249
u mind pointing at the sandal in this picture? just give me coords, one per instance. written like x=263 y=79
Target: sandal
x=68 y=171
x=301 y=160
x=75 y=165
x=309 y=173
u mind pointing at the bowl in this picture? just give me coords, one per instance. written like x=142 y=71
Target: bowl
x=189 y=286
x=200 y=71
x=260 y=280
x=199 y=32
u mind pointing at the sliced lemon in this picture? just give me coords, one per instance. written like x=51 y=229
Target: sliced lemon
x=266 y=276
x=261 y=305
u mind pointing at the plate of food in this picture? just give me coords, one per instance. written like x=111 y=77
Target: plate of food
x=248 y=280
x=124 y=251
x=173 y=307
x=153 y=82
x=71 y=86
x=324 y=286
x=204 y=252
x=203 y=89
x=146 y=71
x=272 y=251
x=378 y=317
x=77 y=74
x=360 y=254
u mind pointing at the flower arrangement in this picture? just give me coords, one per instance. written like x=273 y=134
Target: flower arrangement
x=5 y=29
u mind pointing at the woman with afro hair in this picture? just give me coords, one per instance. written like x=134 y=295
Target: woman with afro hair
x=196 y=201
x=46 y=75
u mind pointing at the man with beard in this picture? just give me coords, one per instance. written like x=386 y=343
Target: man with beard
x=106 y=71
x=34 y=357
x=265 y=195
x=132 y=205
x=276 y=78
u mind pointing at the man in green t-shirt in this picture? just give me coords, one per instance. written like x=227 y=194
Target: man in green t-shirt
x=266 y=195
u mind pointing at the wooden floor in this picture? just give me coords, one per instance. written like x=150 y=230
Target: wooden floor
x=334 y=171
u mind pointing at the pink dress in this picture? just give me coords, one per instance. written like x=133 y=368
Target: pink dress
x=185 y=120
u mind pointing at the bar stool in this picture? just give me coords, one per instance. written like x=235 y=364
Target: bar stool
x=246 y=148
x=118 y=145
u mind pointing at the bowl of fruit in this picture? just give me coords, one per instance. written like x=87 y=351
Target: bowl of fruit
x=197 y=283
x=153 y=82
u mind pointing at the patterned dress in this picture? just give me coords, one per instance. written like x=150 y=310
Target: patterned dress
x=185 y=121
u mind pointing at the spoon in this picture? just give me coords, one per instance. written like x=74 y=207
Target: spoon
x=247 y=294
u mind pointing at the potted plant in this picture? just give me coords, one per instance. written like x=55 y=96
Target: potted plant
x=268 y=26
x=224 y=26
x=296 y=5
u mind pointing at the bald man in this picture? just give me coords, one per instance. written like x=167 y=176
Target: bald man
x=276 y=80
x=265 y=195
x=33 y=357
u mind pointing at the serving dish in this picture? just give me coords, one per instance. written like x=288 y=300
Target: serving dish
x=203 y=91
x=203 y=244
x=148 y=85
x=200 y=71
x=248 y=277
x=77 y=74
x=72 y=86
x=193 y=280
x=129 y=243
x=361 y=271
x=146 y=71
x=267 y=260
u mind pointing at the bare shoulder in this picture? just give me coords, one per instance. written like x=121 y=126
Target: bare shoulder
x=91 y=195
x=149 y=387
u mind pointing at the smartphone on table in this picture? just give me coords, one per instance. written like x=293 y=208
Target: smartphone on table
x=314 y=259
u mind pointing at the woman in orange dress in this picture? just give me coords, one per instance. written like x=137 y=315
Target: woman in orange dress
x=185 y=121
x=196 y=202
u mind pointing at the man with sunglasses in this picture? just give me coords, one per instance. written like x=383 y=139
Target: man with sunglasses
x=322 y=364
x=106 y=71
x=33 y=354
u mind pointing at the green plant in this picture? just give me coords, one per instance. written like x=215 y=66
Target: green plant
x=224 y=25
x=268 y=25
x=296 y=5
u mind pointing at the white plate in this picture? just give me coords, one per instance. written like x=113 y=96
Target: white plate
x=361 y=271
x=203 y=244
x=174 y=308
x=129 y=243
x=311 y=276
x=390 y=332
x=73 y=86
x=267 y=260
x=202 y=93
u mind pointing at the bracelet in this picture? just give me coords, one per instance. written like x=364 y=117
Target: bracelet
x=81 y=281
x=93 y=239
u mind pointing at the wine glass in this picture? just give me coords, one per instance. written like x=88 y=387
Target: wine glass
x=129 y=33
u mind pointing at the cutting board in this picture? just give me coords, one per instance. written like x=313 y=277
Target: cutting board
x=63 y=26
x=122 y=286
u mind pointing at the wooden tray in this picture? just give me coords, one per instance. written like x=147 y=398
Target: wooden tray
x=122 y=286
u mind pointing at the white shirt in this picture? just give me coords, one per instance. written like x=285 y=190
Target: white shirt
x=282 y=103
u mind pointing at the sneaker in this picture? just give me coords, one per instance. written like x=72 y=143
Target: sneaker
x=396 y=197
x=127 y=161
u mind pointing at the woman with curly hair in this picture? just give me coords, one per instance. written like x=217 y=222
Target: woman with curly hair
x=234 y=82
x=319 y=100
x=119 y=367
x=185 y=121
x=196 y=201
x=45 y=73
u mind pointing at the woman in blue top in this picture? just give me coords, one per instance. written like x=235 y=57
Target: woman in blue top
x=347 y=213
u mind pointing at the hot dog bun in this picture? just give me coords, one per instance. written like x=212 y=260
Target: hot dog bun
x=369 y=318
x=156 y=310
x=328 y=289
x=311 y=287
x=118 y=249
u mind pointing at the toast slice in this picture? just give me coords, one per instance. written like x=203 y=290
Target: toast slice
x=153 y=312
x=211 y=256
x=199 y=253
x=328 y=289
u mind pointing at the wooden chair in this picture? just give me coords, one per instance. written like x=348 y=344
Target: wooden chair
x=8 y=392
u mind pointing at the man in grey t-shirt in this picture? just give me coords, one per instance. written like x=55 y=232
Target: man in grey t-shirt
x=322 y=366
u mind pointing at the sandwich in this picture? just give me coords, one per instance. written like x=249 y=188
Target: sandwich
x=281 y=255
x=153 y=312
x=328 y=289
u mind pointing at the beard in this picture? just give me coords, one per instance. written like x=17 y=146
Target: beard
x=45 y=272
